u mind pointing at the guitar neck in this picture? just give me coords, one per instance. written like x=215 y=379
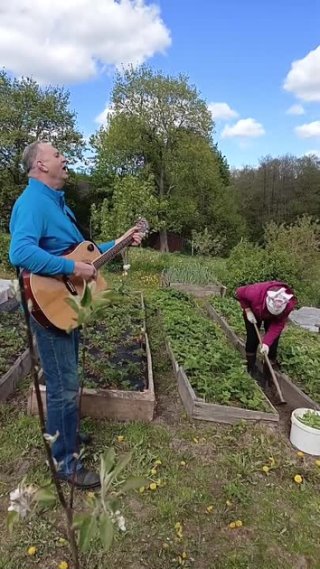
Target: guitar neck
x=113 y=251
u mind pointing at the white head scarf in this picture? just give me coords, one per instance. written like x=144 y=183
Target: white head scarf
x=277 y=300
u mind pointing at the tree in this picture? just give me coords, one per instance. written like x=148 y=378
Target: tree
x=279 y=190
x=199 y=197
x=132 y=198
x=154 y=120
x=27 y=113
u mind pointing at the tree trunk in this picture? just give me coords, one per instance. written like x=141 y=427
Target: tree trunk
x=164 y=248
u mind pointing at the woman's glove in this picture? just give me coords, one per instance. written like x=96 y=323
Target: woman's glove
x=250 y=316
x=264 y=350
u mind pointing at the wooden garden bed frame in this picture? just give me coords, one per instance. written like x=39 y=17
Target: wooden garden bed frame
x=16 y=373
x=293 y=395
x=199 y=409
x=113 y=404
x=20 y=368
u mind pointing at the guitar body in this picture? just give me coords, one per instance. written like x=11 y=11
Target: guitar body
x=49 y=294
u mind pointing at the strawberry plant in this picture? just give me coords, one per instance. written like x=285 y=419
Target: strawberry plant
x=115 y=356
x=311 y=419
x=214 y=368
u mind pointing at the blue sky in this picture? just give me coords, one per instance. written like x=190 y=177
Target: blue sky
x=240 y=55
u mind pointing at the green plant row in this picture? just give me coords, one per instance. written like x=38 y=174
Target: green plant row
x=13 y=338
x=194 y=273
x=115 y=355
x=215 y=370
x=299 y=349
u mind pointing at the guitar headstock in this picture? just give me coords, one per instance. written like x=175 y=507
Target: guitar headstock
x=142 y=225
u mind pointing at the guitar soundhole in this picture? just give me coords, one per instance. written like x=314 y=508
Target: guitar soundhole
x=90 y=247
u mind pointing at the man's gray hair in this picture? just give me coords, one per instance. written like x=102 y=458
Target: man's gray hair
x=30 y=154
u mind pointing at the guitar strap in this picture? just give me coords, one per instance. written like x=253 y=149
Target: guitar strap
x=83 y=230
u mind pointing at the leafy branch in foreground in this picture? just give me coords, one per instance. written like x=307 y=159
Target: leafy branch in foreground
x=27 y=501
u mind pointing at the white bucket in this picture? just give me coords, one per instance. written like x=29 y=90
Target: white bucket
x=302 y=436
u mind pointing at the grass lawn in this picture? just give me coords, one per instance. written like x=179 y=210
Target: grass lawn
x=210 y=476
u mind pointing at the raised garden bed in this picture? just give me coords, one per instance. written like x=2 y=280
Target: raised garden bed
x=15 y=360
x=118 y=378
x=299 y=352
x=212 y=381
x=197 y=281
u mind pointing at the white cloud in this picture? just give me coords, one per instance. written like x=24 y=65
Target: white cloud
x=313 y=153
x=303 y=78
x=102 y=117
x=308 y=130
x=64 y=41
x=221 y=111
x=244 y=128
x=295 y=110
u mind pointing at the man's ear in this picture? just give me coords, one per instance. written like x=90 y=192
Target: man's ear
x=42 y=167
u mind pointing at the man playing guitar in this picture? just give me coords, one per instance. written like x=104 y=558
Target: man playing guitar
x=42 y=229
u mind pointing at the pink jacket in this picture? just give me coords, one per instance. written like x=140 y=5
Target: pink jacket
x=253 y=296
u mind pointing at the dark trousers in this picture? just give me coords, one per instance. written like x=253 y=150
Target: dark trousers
x=252 y=341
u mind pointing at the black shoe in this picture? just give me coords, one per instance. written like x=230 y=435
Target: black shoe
x=85 y=439
x=84 y=479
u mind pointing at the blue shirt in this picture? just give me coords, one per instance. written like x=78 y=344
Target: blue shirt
x=41 y=231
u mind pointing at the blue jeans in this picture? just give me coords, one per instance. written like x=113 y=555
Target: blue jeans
x=58 y=353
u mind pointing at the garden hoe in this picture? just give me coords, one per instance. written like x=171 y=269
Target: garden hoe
x=273 y=375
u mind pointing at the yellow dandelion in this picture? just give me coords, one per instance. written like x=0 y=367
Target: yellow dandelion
x=63 y=565
x=32 y=550
x=62 y=541
x=232 y=525
x=300 y=454
x=266 y=468
x=228 y=503
x=195 y=440
x=182 y=463
x=239 y=523
x=178 y=528
x=158 y=462
x=141 y=489
x=120 y=438
x=153 y=471
x=317 y=462
x=184 y=555
x=298 y=479
x=209 y=509
x=153 y=486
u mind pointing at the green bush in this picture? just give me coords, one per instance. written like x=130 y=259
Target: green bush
x=291 y=254
x=5 y=265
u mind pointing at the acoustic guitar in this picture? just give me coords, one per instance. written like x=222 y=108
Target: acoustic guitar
x=47 y=295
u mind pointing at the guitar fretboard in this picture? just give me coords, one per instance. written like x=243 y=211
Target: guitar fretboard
x=112 y=252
